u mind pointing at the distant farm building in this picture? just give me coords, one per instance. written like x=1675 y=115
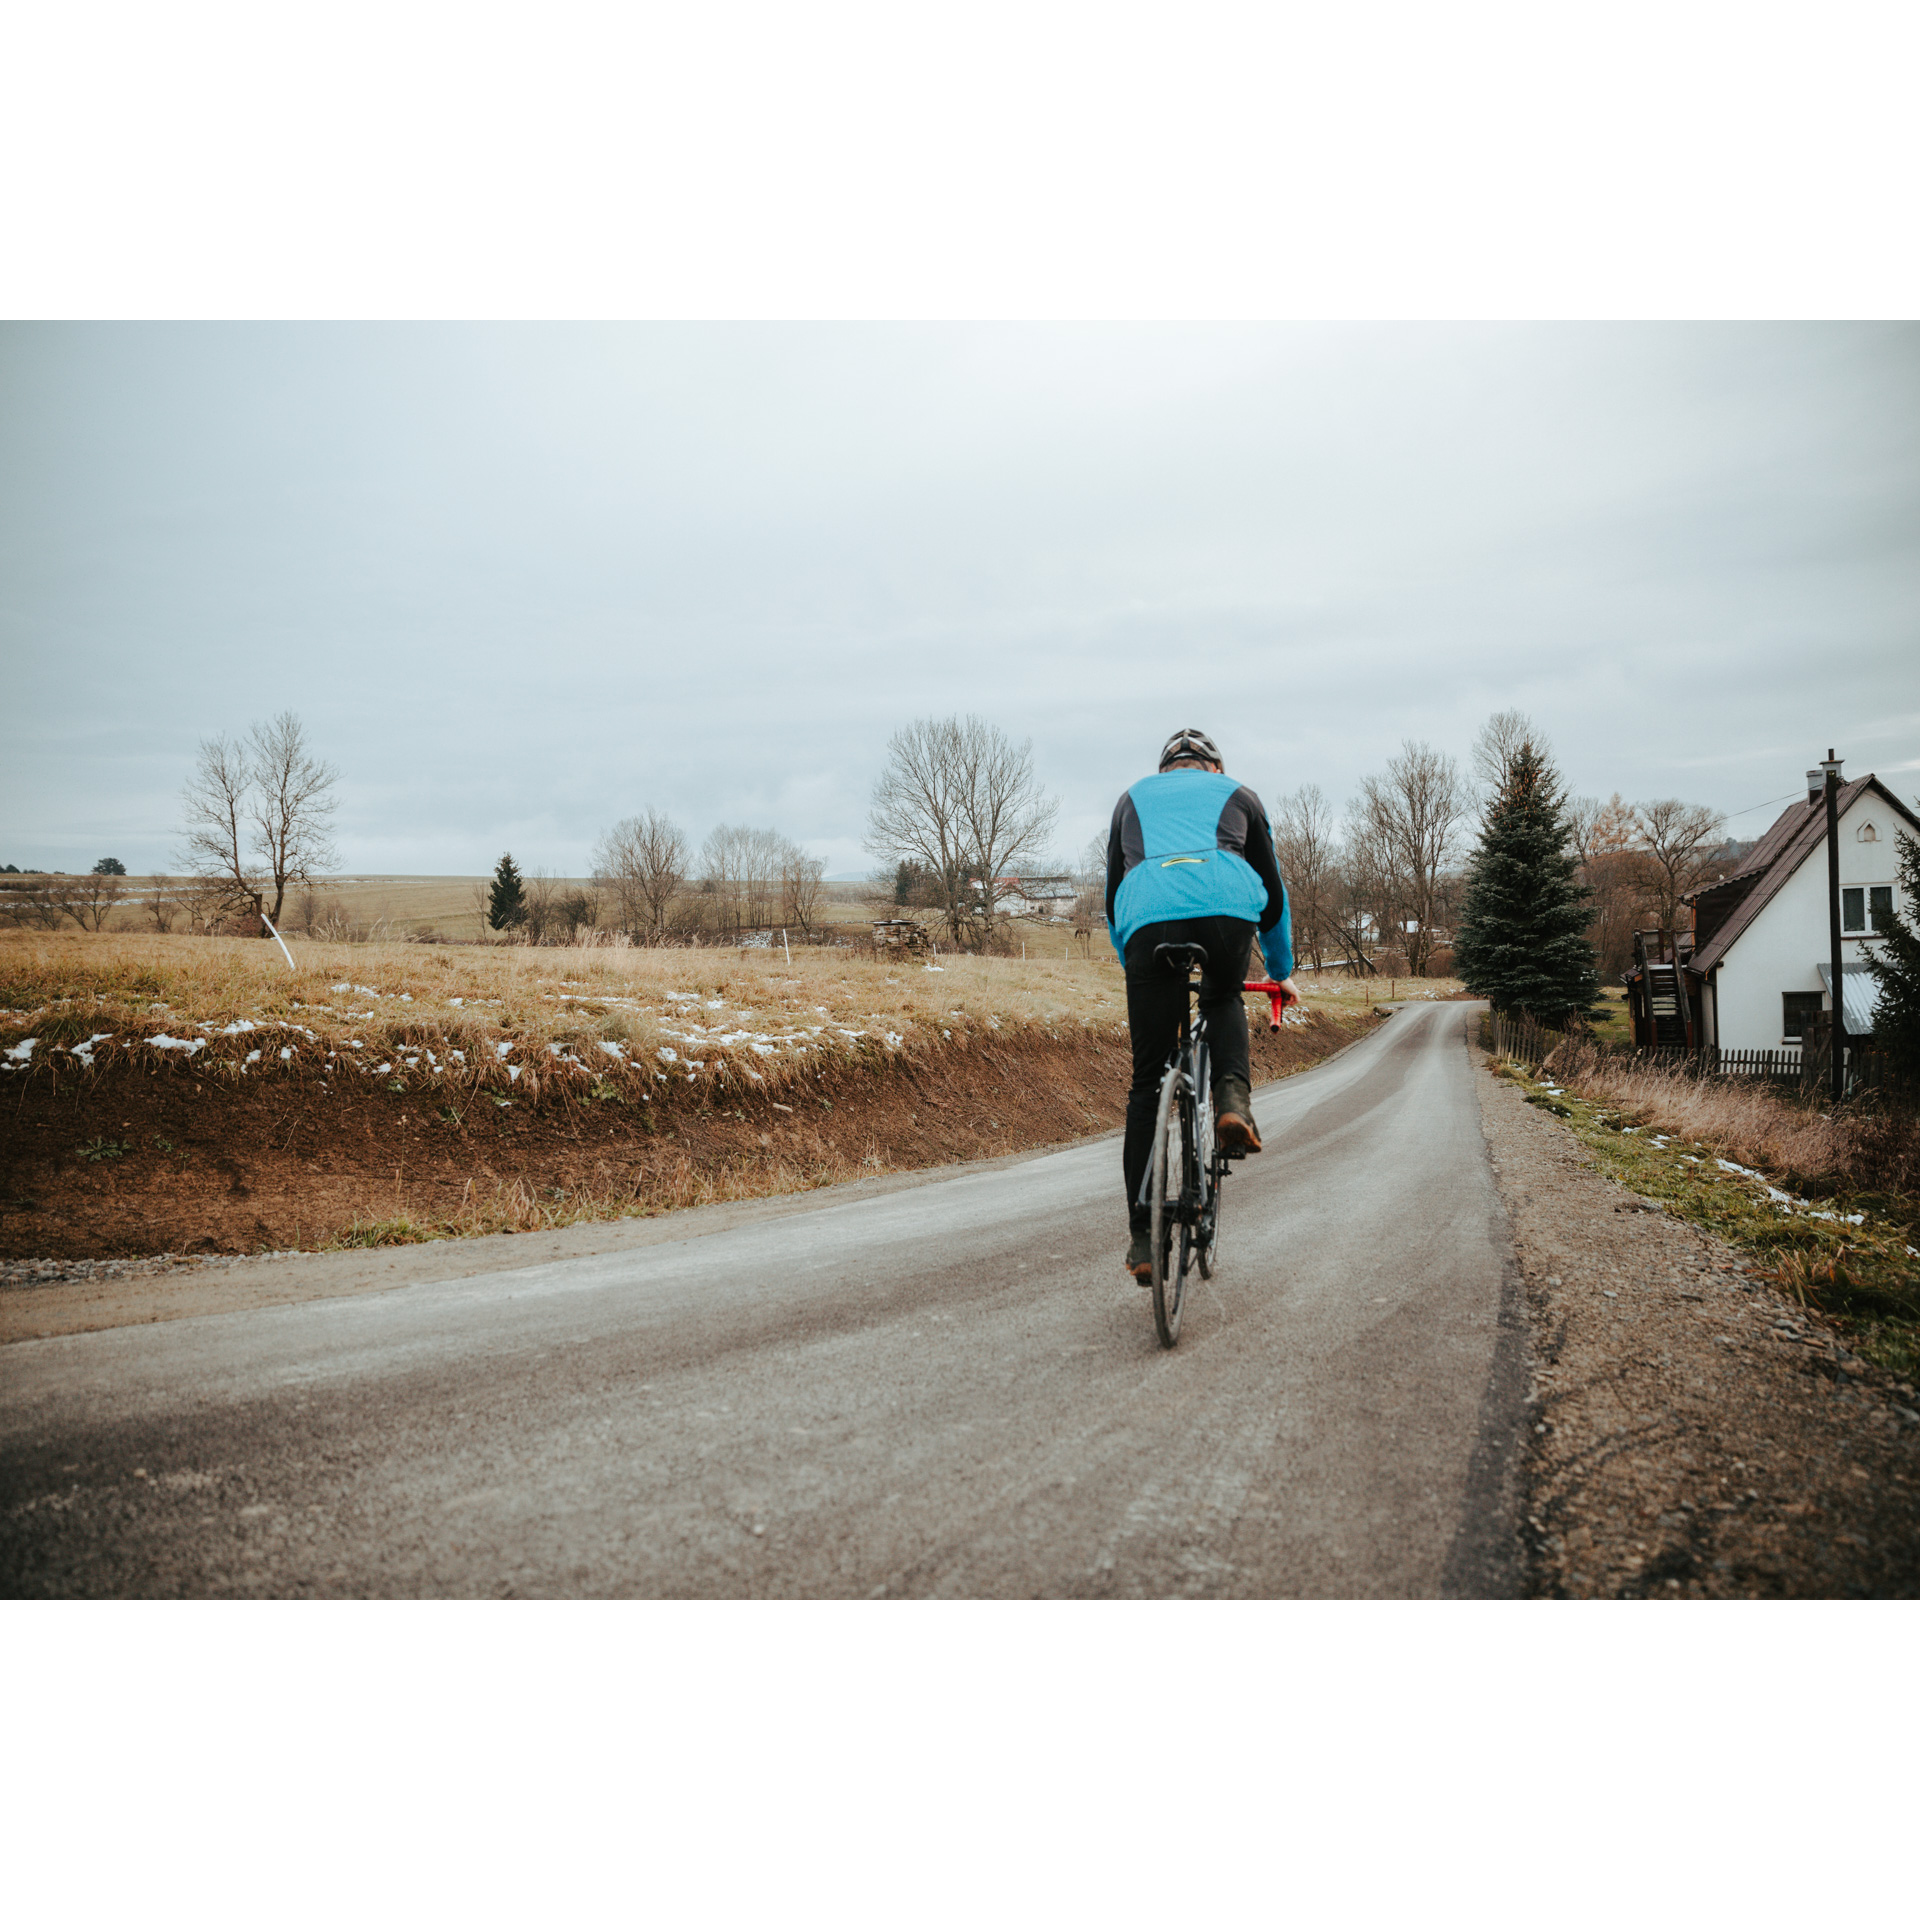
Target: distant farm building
x=1022 y=895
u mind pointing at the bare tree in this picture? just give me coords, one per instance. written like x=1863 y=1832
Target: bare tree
x=161 y=903
x=801 y=874
x=579 y=907
x=480 y=905
x=644 y=862
x=258 y=814
x=918 y=813
x=543 y=907
x=30 y=903
x=1364 y=890
x=748 y=875
x=962 y=800
x=1008 y=814
x=1412 y=815
x=217 y=849
x=87 y=899
x=1680 y=840
x=1606 y=839
x=1500 y=738
x=307 y=912
x=1304 y=847
x=724 y=858
x=293 y=806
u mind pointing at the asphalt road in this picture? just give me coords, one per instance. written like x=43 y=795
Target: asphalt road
x=947 y=1389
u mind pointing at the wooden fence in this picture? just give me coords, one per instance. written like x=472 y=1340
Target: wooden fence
x=1526 y=1040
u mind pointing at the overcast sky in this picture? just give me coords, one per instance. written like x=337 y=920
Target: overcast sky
x=520 y=581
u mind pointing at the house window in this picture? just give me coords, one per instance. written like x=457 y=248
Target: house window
x=1879 y=906
x=1853 y=910
x=1796 y=1009
x=1866 y=831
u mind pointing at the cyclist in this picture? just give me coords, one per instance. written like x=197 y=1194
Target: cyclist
x=1190 y=858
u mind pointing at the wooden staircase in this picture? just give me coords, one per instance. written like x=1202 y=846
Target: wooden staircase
x=1668 y=1006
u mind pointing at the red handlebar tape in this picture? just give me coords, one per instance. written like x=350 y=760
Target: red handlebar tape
x=1272 y=989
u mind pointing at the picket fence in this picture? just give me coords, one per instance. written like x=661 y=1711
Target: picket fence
x=1527 y=1041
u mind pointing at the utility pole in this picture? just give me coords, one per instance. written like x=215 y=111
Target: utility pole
x=1829 y=769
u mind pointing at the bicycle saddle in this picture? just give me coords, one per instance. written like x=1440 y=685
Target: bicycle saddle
x=1181 y=956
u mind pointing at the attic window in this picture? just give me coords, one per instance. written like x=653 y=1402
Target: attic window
x=1867 y=831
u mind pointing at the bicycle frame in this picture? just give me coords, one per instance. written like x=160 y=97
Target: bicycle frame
x=1182 y=1201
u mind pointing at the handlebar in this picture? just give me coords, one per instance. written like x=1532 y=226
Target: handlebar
x=1273 y=990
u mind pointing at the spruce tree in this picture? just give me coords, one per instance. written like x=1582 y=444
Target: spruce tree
x=506 y=900
x=1523 y=926
x=1896 y=1021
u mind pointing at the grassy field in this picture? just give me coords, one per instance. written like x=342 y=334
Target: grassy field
x=1611 y=1024
x=401 y=1007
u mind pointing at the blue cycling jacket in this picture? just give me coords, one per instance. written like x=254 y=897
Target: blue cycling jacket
x=1190 y=843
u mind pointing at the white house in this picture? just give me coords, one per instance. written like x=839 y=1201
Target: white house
x=1761 y=942
x=1051 y=894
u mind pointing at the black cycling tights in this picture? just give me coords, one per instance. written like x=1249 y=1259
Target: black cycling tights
x=1155 y=997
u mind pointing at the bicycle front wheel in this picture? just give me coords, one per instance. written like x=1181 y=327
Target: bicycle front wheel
x=1166 y=1180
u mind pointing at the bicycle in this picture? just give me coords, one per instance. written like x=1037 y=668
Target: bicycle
x=1184 y=1174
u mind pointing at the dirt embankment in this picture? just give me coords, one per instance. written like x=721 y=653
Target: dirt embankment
x=1692 y=1434
x=126 y=1160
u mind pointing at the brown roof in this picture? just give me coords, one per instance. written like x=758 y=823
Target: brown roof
x=1776 y=858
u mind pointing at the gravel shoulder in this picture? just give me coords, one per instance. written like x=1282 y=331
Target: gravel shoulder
x=1692 y=1433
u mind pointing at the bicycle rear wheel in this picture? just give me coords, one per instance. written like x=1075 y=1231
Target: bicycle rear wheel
x=1207 y=1239
x=1166 y=1181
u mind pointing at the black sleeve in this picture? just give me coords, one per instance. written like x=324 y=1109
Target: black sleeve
x=1244 y=830
x=1117 y=852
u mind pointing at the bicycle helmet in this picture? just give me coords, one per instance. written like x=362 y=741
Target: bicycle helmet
x=1189 y=744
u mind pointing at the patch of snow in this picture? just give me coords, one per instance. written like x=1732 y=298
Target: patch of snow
x=456 y=1001
x=286 y=1053
x=22 y=1051
x=931 y=968
x=165 y=1041
x=385 y=1066
x=502 y=1049
x=669 y=1056
x=458 y=1055
x=253 y=1056
x=356 y=1043
x=760 y=1046
x=513 y=1073
x=239 y=1026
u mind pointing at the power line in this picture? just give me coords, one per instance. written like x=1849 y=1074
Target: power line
x=1758 y=804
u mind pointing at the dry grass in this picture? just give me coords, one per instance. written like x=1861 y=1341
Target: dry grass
x=1816 y=1147
x=527 y=1014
